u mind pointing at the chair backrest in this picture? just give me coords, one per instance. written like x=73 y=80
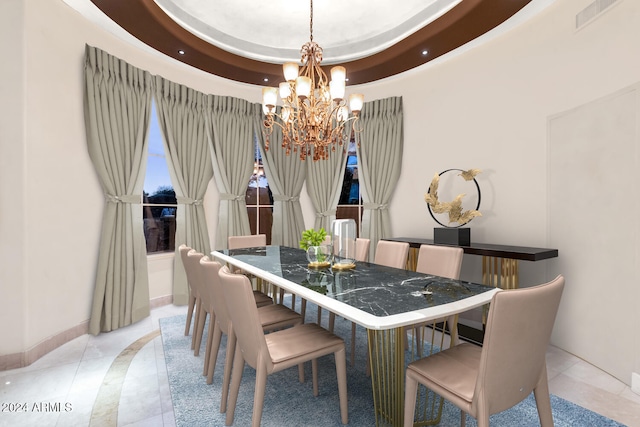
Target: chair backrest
x=194 y=276
x=243 y=312
x=254 y=240
x=443 y=261
x=210 y=278
x=518 y=330
x=184 y=250
x=391 y=254
x=362 y=249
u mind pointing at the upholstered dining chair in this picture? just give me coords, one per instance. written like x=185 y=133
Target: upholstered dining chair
x=272 y=317
x=204 y=306
x=184 y=250
x=276 y=351
x=485 y=380
x=443 y=261
x=362 y=249
x=391 y=254
x=251 y=241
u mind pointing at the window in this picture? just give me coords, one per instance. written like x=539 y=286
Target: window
x=350 y=202
x=259 y=199
x=159 y=203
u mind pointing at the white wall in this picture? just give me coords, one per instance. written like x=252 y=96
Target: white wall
x=488 y=109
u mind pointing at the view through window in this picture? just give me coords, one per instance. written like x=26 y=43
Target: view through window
x=159 y=203
x=350 y=202
x=259 y=199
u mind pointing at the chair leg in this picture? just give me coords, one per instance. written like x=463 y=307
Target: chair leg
x=314 y=375
x=319 y=316
x=213 y=353
x=341 y=372
x=207 y=352
x=258 y=395
x=332 y=321
x=198 y=307
x=236 y=378
x=202 y=319
x=187 y=326
x=410 y=396
x=353 y=344
x=228 y=365
x=303 y=308
x=463 y=418
x=543 y=402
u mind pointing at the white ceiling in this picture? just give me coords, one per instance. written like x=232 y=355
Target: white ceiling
x=274 y=30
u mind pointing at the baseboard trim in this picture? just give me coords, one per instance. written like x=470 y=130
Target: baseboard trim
x=635 y=383
x=26 y=358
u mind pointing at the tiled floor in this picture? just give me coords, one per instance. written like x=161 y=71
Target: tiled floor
x=84 y=383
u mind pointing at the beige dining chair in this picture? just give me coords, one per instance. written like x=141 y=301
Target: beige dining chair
x=184 y=250
x=443 y=261
x=482 y=381
x=204 y=307
x=272 y=317
x=251 y=241
x=362 y=249
x=276 y=351
x=391 y=254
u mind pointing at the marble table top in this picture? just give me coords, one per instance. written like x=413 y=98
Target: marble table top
x=372 y=295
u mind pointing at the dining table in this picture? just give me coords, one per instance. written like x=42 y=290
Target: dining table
x=383 y=300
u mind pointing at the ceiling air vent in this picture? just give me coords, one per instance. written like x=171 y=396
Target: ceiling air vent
x=592 y=11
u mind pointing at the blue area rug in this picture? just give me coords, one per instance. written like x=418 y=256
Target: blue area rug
x=290 y=403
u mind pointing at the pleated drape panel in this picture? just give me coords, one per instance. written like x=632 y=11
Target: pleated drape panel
x=379 y=158
x=286 y=176
x=181 y=115
x=324 y=183
x=230 y=127
x=117 y=105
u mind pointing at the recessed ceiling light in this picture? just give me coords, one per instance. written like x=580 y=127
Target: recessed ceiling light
x=266 y=79
x=425 y=52
x=181 y=52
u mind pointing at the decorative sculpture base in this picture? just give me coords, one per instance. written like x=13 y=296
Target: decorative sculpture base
x=452 y=236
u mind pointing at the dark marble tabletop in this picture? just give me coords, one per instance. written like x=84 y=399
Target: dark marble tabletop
x=372 y=288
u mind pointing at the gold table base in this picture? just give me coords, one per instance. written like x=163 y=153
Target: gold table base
x=389 y=354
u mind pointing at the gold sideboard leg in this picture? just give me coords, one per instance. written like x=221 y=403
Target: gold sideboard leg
x=412 y=260
x=499 y=273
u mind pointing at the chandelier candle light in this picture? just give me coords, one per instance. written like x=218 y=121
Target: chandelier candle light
x=314 y=112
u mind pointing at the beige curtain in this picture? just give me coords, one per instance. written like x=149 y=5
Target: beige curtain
x=117 y=104
x=181 y=115
x=285 y=175
x=230 y=125
x=380 y=159
x=324 y=183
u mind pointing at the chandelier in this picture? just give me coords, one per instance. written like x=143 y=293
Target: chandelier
x=314 y=113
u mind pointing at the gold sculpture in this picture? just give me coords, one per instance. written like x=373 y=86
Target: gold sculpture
x=454 y=208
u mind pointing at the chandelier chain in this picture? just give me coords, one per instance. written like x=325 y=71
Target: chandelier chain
x=311 y=21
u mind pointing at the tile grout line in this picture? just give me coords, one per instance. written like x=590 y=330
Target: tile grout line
x=105 y=407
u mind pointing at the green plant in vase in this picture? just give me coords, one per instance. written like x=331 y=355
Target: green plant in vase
x=317 y=253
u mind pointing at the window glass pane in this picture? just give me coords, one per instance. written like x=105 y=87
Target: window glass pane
x=350 y=203
x=159 y=198
x=259 y=199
